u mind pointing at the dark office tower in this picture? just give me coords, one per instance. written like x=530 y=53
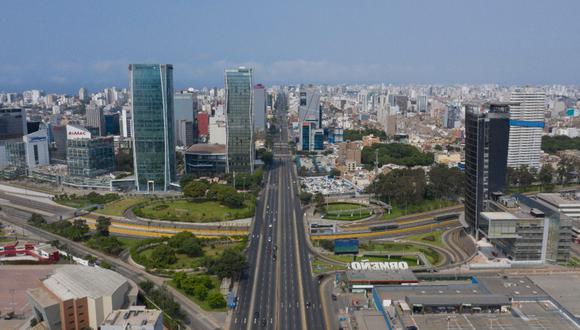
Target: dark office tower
x=239 y=118
x=486 y=147
x=153 y=126
x=12 y=123
x=112 y=126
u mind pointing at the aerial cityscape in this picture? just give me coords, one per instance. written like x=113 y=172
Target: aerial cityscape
x=328 y=165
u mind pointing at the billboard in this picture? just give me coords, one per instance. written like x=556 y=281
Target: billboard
x=344 y=246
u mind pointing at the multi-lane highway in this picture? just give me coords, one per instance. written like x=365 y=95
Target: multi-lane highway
x=278 y=290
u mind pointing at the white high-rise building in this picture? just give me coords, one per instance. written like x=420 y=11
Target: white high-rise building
x=126 y=121
x=526 y=127
x=386 y=116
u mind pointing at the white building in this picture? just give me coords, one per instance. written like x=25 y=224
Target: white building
x=126 y=122
x=386 y=116
x=36 y=148
x=80 y=295
x=526 y=127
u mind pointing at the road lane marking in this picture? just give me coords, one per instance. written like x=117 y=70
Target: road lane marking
x=254 y=285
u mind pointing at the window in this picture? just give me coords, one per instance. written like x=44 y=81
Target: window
x=36 y=161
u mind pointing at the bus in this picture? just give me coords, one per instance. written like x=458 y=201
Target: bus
x=384 y=227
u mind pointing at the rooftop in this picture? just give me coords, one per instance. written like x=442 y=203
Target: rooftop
x=42 y=297
x=74 y=281
x=475 y=299
x=133 y=318
x=498 y=216
x=202 y=148
x=570 y=199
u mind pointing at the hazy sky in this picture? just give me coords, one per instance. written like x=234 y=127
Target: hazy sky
x=61 y=45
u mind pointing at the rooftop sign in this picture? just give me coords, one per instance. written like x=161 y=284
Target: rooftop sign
x=378 y=265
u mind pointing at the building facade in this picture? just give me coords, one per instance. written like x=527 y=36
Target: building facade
x=95 y=119
x=452 y=115
x=486 y=145
x=259 y=103
x=185 y=114
x=88 y=156
x=12 y=123
x=239 y=120
x=528 y=230
x=152 y=126
x=205 y=160
x=526 y=127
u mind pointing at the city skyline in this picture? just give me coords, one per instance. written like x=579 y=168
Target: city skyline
x=393 y=42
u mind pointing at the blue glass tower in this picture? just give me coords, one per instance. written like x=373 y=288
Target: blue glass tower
x=153 y=126
x=239 y=115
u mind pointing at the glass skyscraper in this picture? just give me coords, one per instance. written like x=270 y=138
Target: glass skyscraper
x=239 y=128
x=153 y=126
x=486 y=149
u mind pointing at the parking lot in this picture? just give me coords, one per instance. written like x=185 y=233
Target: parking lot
x=328 y=186
x=527 y=315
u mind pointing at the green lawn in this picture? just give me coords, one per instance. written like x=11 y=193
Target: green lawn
x=184 y=261
x=116 y=208
x=433 y=238
x=187 y=211
x=81 y=201
x=201 y=303
x=431 y=255
x=319 y=266
x=129 y=242
x=346 y=211
x=427 y=205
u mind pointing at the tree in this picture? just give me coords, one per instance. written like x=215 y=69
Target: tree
x=36 y=220
x=147 y=286
x=103 y=224
x=400 y=186
x=445 y=182
x=106 y=265
x=327 y=244
x=319 y=200
x=305 y=197
x=200 y=291
x=108 y=244
x=196 y=189
x=91 y=259
x=215 y=299
x=395 y=153
x=230 y=263
x=266 y=156
x=162 y=255
x=233 y=200
x=78 y=230
x=526 y=177
x=192 y=248
x=546 y=175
